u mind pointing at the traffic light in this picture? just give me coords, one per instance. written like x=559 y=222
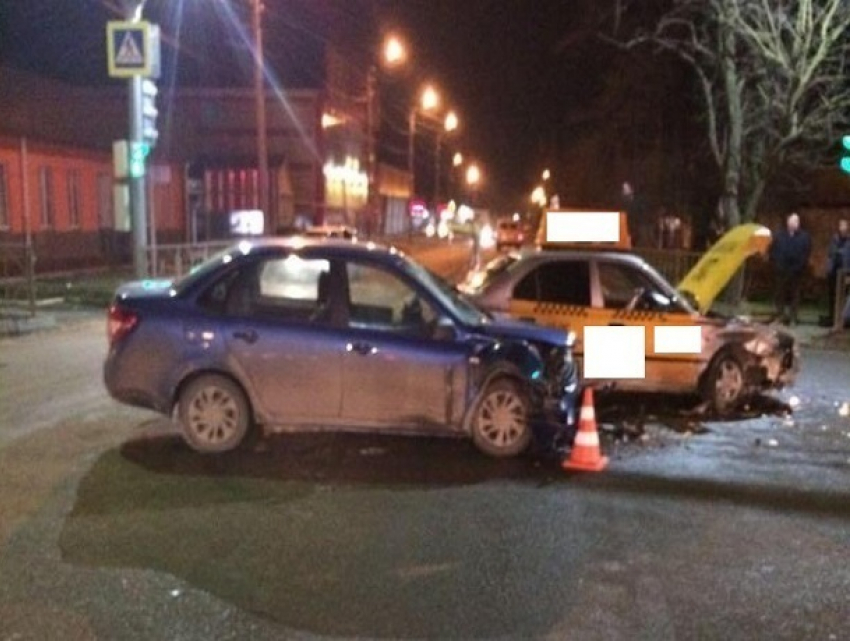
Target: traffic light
x=149 y=112
x=138 y=154
x=845 y=158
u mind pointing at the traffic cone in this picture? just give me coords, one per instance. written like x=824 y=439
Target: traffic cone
x=585 y=454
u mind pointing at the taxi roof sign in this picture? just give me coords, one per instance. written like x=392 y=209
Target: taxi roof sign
x=133 y=49
x=584 y=229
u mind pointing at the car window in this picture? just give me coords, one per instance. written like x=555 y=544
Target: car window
x=563 y=282
x=290 y=288
x=380 y=300
x=619 y=284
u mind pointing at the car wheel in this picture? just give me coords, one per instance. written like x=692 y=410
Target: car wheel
x=501 y=425
x=214 y=414
x=724 y=384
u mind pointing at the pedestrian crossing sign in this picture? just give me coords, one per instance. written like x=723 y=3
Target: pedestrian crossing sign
x=133 y=49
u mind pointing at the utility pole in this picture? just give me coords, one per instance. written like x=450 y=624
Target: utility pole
x=260 y=104
x=411 y=169
x=372 y=201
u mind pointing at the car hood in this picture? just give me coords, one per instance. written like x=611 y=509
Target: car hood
x=504 y=328
x=720 y=263
x=149 y=288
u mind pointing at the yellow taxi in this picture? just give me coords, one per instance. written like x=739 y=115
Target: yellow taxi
x=600 y=283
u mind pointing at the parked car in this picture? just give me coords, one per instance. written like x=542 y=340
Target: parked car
x=574 y=289
x=509 y=233
x=338 y=334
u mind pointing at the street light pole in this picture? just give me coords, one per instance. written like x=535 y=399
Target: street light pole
x=260 y=105
x=410 y=165
x=372 y=202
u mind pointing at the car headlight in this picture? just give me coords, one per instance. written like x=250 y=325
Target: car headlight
x=760 y=346
x=571 y=339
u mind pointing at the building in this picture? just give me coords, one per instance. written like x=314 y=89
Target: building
x=56 y=168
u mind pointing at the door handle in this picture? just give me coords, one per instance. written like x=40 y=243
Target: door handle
x=247 y=335
x=616 y=324
x=364 y=349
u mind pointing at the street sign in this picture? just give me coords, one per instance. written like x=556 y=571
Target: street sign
x=133 y=49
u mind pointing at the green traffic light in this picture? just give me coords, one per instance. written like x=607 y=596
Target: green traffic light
x=845 y=164
x=846 y=142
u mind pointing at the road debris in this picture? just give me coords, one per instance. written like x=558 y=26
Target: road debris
x=794 y=401
x=772 y=443
x=844 y=409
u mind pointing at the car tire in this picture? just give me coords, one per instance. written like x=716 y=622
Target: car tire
x=214 y=414
x=724 y=385
x=501 y=425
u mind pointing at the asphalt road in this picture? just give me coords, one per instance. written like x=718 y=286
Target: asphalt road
x=111 y=529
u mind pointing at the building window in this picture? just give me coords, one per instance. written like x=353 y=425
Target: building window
x=74 y=198
x=105 y=213
x=4 y=200
x=48 y=207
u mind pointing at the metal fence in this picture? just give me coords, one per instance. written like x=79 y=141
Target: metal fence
x=17 y=276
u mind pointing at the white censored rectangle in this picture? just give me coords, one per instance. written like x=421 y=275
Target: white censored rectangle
x=583 y=227
x=680 y=339
x=615 y=351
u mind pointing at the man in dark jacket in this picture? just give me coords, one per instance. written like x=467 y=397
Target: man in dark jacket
x=789 y=254
x=839 y=258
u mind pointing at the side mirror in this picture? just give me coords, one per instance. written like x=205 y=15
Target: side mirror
x=444 y=330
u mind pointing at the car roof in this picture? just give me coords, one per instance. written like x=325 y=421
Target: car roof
x=545 y=255
x=297 y=243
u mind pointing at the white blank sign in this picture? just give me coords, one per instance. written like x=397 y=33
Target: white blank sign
x=583 y=227
x=615 y=352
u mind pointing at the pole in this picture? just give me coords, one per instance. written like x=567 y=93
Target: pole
x=372 y=203
x=29 y=256
x=260 y=104
x=136 y=184
x=437 y=171
x=410 y=167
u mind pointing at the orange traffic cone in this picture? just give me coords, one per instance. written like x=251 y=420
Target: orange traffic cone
x=585 y=454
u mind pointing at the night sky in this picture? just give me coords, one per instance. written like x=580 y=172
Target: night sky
x=517 y=71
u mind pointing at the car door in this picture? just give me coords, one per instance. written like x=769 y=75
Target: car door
x=280 y=341
x=618 y=284
x=555 y=293
x=396 y=373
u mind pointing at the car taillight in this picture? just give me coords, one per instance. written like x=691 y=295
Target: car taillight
x=120 y=322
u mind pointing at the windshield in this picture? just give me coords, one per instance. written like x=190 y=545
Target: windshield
x=447 y=293
x=482 y=278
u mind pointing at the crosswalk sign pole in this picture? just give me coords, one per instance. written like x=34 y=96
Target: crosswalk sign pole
x=133 y=53
x=138 y=205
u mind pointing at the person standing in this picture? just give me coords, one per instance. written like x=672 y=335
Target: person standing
x=640 y=229
x=789 y=254
x=838 y=258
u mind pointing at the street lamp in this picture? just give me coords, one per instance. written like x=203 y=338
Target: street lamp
x=457 y=159
x=546 y=174
x=428 y=100
x=394 y=54
x=473 y=175
x=449 y=125
x=538 y=196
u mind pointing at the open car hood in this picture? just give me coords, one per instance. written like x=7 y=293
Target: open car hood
x=720 y=263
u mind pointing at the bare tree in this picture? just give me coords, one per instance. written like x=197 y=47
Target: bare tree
x=773 y=77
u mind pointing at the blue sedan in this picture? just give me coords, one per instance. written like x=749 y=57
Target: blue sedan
x=281 y=333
